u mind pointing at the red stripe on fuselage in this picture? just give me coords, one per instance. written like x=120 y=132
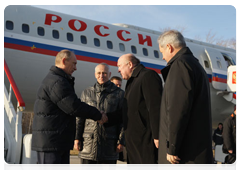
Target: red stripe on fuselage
x=221 y=80
x=54 y=53
x=29 y=49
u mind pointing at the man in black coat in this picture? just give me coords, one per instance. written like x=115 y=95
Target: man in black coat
x=229 y=138
x=55 y=112
x=185 y=122
x=141 y=110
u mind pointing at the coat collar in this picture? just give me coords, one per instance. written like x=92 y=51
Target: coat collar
x=165 y=70
x=62 y=73
x=184 y=50
x=137 y=70
x=108 y=87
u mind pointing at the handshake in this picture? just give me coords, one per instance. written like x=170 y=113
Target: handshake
x=104 y=118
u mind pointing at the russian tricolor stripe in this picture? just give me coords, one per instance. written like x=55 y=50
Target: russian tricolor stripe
x=52 y=50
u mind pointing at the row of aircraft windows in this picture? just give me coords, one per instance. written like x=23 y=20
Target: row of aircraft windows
x=83 y=39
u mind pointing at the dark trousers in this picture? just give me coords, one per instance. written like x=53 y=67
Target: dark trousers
x=55 y=157
x=232 y=163
x=98 y=165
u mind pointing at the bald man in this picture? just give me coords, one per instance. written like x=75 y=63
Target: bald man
x=101 y=144
x=141 y=110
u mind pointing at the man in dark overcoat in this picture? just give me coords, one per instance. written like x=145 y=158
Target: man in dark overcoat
x=141 y=110
x=185 y=121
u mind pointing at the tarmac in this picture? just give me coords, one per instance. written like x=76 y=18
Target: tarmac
x=75 y=164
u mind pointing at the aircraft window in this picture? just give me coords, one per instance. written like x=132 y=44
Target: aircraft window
x=156 y=54
x=134 y=50
x=121 y=47
x=206 y=64
x=83 y=39
x=41 y=31
x=55 y=34
x=109 y=44
x=69 y=36
x=145 y=52
x=219 y=64
x=25 y=28
x=228 y=61
x=96 y=42
x=9 y=25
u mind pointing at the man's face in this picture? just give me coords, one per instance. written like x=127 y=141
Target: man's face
x=167 y=56
x=118 y=83
x=70 y=65
x=102 y=74
x=124 y=69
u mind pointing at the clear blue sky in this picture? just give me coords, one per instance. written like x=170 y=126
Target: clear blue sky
x=197 y=19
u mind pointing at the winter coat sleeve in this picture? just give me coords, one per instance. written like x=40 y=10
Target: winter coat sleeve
x=152 y=92
x=63 y=95
x=80 y=122
x=179 y=102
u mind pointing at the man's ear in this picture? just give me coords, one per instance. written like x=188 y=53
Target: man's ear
x=170 y=48
x=130 y=64
x=64 y=61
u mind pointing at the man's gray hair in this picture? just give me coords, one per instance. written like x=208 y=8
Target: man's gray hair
x=103 y=64
x=172 y=37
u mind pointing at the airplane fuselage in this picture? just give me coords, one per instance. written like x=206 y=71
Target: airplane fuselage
x=33 y=37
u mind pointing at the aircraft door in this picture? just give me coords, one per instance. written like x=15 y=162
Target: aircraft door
x=219 y=69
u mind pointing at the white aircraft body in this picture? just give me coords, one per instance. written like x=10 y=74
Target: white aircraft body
x=33 y=37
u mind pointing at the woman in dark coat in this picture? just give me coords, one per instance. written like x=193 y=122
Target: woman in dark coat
x=185 y=121
x=141 y=110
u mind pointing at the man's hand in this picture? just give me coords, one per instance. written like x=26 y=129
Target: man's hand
x=156 y=142
x=104 y=118
x=76 y=145
x=173 y=159
x=119 y=148
x=230 y=151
